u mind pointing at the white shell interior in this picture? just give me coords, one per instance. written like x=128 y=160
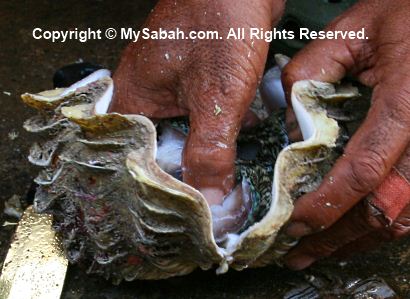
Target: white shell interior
x=87 y=80
x=229 y=216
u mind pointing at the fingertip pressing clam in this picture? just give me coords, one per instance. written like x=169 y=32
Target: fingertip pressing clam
x=113 y=183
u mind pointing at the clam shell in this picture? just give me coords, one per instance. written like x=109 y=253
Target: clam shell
x=123 y=217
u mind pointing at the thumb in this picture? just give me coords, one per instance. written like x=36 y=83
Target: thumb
x=330 y=59
x=322 y=60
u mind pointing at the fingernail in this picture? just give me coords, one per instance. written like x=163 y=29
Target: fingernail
x=298 y=229
x=299 y=262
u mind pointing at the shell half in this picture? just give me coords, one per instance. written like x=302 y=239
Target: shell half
x=122 y=216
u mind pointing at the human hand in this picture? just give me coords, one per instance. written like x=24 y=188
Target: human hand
x=212 y=81
x=376 y=161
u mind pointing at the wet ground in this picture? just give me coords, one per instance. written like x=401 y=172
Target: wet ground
x=28 y=65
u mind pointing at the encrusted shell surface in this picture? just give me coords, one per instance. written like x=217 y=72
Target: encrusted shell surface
x=121 y=216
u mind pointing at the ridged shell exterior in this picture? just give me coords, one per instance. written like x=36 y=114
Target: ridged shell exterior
x=123 y=217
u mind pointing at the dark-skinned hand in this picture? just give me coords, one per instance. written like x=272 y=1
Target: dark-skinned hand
x=365 y=199
x=211 y=81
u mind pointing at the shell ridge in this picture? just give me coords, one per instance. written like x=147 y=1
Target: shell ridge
x=126 y=218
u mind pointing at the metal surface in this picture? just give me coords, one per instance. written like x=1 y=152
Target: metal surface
x=35 y=266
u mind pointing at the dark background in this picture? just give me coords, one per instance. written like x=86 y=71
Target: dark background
x=27 y=64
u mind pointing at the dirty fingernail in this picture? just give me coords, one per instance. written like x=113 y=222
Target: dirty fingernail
x=298 y=229
x=299 y=262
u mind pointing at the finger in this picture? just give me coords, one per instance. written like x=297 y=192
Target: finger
x=362 y=229
x=367 y=160
x=399 y=229
x=366 y=243
x=216 y=113
x=210 y=151
x=381 y=218
x=359 y=222
x=391 y=202
x=208 y=159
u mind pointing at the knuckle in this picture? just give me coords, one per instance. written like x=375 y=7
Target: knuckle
x=366 y=171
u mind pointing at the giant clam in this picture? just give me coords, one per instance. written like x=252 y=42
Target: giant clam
x=123 y=216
